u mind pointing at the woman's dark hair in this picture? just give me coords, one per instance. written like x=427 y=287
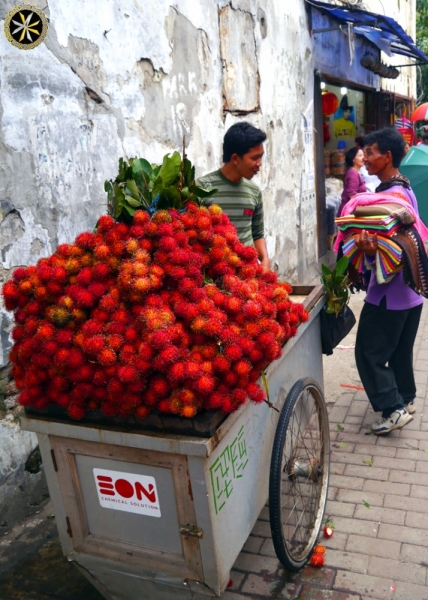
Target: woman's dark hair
x=387 y=139
x=350 y=155
x=240 y=138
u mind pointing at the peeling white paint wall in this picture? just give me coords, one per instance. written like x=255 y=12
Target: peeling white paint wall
x=130 y=78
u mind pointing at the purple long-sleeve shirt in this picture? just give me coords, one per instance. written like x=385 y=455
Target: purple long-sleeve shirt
x=399 y=296
x=353 y=184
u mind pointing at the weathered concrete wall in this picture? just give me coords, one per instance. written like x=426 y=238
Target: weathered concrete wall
x=132 y=79
x=404 y=12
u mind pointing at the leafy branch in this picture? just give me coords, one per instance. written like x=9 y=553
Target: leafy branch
x=145 y=186
x=335 y=283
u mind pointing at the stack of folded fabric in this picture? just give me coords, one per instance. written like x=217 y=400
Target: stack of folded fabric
x=389 y=255
x=401 y=236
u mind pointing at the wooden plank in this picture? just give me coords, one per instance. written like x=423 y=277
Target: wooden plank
x=186 y=515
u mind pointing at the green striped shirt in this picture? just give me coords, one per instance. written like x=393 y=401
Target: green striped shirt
x=242 y=202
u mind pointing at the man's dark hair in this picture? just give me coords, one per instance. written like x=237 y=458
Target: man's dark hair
x=350 y=155
x=424 y=136
x=387 y=139
x=240 y=138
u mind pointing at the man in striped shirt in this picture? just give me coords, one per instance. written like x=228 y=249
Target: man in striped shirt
x=241 y=199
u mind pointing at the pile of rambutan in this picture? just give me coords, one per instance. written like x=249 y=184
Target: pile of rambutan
x=169 y=313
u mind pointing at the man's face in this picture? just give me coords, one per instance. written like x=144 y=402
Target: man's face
x=249 y=163
x=375 y=161
x=347 y=113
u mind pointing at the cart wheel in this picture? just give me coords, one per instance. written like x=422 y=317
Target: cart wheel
x=299 y=474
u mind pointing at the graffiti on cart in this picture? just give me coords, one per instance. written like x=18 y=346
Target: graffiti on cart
x=228 y=467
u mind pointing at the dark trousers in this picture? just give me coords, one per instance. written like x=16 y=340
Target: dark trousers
x=384 y=355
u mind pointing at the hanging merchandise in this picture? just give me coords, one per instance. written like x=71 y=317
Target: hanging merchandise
x=330 y=103
x=338 y=164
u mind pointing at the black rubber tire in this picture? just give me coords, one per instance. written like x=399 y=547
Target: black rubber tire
x=293 y=558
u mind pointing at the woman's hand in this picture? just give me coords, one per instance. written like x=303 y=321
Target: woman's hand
x=366 y=242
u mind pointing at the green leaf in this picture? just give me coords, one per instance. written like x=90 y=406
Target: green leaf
x=366 y=504
x=108 y=186
x=168 y=173
x=123 y=166
x=130 y=210
x=368 y=462
x=426 y=450
x=340 y=427
x=133 y=189
x=188 y=173
x=342 y=445
x=341 y=266
x=325 y=270
x=369 y=432
x=132 y=202
x=141 y=164
x=202 y=193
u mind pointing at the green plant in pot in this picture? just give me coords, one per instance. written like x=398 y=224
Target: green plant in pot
x=335 y=283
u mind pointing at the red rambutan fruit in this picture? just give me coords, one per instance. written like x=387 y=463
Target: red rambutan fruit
x=242 y=368
x=106 y=357
x=205 y=384
x=85 y=240
x=160 y=386
x=92 y=327
x=160 y=339
x=100 y=272
x=76 y=412
x=188 y=411
x=84 y=299
x=102 y=252
x=239 y=396
x=121 y=315
x=127 y=374
x=97 y=289
x=50 y=348
x=46 y=331
x=115 y=341
x=192 y=369
x=142 y=411
x=255 y=392
x=230 y=379
x=221 y=364
x=178 y=372
x=141 y=217
x=94 y=345
x=214 y=401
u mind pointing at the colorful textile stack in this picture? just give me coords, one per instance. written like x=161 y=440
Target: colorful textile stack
x=389 y=255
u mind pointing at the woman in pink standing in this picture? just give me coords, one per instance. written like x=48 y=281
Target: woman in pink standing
x=354 y=183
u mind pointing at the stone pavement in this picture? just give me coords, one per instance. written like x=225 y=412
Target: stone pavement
x=378 y=501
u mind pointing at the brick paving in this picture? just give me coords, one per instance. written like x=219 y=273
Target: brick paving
x=380 y=551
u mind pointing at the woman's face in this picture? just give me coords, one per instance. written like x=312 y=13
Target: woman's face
x=359 y=159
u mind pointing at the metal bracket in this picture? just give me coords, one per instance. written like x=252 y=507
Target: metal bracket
x=192 y=530
x=343 y=28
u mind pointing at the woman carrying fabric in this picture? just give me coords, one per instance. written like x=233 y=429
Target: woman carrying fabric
x=354 y=183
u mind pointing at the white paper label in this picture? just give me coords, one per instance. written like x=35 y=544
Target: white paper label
x=127 y=492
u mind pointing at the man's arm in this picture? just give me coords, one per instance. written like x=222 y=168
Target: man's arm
x=260 y=246
x=258 y=232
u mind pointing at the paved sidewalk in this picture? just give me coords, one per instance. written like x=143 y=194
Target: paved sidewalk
x=378 y=501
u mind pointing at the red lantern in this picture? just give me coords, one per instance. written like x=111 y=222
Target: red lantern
x=330 y=103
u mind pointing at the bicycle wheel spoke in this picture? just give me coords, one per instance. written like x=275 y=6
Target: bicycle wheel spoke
x=303 y=452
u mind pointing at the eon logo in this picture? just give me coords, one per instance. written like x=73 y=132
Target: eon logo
x=127 y=491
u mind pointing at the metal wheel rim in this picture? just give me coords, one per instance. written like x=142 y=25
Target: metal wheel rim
x=304 y=473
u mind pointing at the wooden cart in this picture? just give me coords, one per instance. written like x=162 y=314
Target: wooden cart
x=146 y=514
